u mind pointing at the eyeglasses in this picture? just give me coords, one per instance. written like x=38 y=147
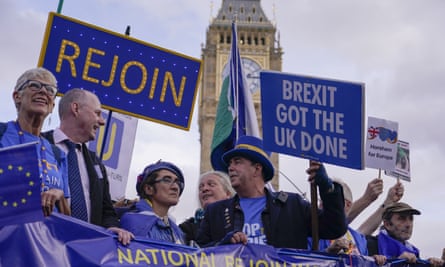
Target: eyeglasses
x=37 y=86
x=169 y=181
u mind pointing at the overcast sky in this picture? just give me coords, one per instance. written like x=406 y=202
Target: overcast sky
x=396 y=48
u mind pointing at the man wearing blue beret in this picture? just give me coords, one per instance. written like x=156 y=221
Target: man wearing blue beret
x=256 y=215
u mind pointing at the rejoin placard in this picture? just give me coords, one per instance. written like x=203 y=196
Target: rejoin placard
x=313 y=118
x=128 y=75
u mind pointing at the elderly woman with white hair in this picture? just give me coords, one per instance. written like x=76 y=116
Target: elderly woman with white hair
x=34 y=96
x=213 y=186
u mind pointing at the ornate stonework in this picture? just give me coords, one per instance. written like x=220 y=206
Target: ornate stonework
x=259 y=48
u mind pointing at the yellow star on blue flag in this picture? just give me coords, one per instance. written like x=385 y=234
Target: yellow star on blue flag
x=19 y=185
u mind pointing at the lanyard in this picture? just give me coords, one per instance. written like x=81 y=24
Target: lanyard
x=42 y=147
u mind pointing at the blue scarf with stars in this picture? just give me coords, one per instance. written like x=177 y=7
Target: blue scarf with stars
x=393 y=248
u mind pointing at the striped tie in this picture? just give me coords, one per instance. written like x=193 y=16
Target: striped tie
x=78 y=205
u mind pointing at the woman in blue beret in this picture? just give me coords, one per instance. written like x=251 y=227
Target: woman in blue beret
x=159 y=188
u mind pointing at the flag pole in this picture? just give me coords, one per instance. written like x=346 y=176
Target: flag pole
x=314 y=214
x=236 y=78
x=59 y=7
x=314 y=209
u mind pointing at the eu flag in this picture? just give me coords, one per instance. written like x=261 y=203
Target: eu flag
x=19 y=185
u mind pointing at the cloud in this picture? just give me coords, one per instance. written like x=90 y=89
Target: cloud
x=394 y=47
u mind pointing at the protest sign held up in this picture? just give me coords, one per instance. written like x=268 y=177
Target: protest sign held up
x=313 y=118
x=129 y=76
x=118 y=150
x=402 y=169
x=381 y=144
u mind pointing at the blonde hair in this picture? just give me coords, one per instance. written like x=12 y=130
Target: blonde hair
x=223 y=179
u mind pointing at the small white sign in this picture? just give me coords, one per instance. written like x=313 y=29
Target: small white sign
x=118 y=150
x=402 y=169
x=381 y=144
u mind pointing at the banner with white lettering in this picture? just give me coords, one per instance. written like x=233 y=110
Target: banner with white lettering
x=313 y=118
x=381 y=144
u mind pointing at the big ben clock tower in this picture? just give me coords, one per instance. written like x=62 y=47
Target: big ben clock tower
x=259 y=50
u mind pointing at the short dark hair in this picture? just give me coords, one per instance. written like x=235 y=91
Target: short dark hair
x=149 y=180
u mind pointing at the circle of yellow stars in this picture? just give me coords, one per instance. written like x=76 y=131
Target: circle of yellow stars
x=21 y=200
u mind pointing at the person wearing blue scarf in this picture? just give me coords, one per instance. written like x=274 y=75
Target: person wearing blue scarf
x=392 y=240
x=159 y=187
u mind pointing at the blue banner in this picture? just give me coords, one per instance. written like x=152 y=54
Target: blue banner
x=19 y=185
x=129 y=76
x=60 y=240
x=313 y=118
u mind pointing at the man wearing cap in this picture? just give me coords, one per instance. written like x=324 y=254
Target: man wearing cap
x=159 y=188
x=392 y=240
x=256 y=215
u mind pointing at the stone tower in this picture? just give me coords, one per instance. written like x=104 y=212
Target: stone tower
x=259 y=49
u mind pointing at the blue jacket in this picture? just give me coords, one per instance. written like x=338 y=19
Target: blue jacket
x=286 y=219
x=142 y=221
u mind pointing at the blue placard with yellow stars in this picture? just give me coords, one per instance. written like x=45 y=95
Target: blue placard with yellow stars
x=19 y=185
x=128 y=75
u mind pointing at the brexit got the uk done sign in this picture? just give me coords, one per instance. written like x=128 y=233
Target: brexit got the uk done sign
x=129 y=76
x=313 y=118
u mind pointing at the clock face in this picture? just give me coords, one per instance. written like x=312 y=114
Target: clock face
x=251 y=72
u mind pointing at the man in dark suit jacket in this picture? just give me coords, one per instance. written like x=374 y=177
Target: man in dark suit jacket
x=256 y=215
x=80 y=116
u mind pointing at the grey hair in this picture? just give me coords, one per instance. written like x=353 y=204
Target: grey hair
x=73 y=95
x=223 y=178
x=31 y=74
x=35 y=73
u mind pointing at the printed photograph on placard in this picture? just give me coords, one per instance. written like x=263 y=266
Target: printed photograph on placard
x=402 y=169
